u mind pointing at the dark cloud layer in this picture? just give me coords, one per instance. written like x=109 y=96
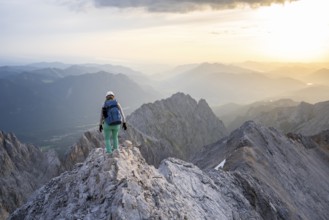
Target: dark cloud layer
x=181 y=5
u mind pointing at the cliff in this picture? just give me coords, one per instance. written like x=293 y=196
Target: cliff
x=24 y=168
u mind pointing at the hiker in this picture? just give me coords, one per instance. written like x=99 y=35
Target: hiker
x=112 y=117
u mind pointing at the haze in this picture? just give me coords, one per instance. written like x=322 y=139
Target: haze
x=147 y=34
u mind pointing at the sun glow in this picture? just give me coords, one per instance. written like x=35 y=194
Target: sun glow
x=297 y=31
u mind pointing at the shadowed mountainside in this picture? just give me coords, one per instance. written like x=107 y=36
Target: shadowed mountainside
x=287 y=174
x=24 y=168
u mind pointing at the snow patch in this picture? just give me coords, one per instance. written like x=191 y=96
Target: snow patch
x=221 y=165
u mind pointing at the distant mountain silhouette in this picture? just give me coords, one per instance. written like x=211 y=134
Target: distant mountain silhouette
x=304 y=118
x=6 y=71
x=62 y=70
x=43 y=65
x=219 y=83
x=320 y=77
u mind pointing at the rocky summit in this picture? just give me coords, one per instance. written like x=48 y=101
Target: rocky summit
x=124 y=186
x=286 y=176
x=24 y=168
x=177 y=126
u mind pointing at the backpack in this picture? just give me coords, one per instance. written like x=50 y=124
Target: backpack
x=111 y=112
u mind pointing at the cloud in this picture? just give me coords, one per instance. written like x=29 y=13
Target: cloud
x=182 y=5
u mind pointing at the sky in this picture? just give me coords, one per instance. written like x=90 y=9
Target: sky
x=154 y=33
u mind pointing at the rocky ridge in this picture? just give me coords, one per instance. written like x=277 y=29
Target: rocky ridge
x=287 y=174
x=126 y=187
x=24 y=168
x=177 y=126
x=265 y=175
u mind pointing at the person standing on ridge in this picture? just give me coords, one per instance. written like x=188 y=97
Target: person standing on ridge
x=112 y=117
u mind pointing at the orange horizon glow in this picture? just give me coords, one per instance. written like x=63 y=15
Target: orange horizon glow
x=296 y=31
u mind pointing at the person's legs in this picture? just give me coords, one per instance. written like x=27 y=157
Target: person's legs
x=107 y=136
x=115 y=133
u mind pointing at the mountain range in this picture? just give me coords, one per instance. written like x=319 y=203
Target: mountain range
x=62 y=100
x=255 y=172
x=265 y=175
x=42 y=105
x=177 y=160
x=221 y=84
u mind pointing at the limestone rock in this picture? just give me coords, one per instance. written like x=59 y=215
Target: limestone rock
x=265 y=175
x=286 y=176
x=124 y=186
x=178 y=126
x=24 y=168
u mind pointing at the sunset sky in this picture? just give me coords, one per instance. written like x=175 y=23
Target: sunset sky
x=173 y=32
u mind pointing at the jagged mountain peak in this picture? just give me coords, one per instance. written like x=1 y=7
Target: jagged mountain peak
x=176 y=100
x=178 y=125
x=180 y=105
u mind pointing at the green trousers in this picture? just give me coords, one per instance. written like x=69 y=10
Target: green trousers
x=111 y=131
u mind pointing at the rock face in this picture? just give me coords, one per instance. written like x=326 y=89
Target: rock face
x=286 y=177
x=178 y=126
x=126 y=187
x=24 y=168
